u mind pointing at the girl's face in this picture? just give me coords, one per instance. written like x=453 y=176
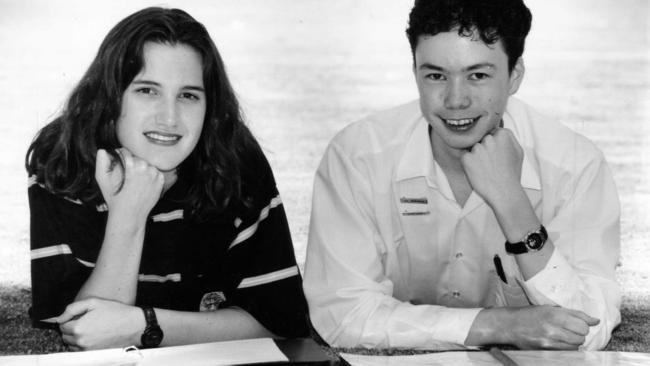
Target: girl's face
x=164 y=106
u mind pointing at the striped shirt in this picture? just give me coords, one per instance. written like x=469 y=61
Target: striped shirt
x=186 y=265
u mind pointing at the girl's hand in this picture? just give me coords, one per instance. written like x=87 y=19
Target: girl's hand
x=95 y=323
x=134 y=189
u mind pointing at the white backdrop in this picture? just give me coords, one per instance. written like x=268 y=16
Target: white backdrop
x=305 y=68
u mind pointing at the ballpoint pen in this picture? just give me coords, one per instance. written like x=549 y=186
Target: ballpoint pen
x=499 y=268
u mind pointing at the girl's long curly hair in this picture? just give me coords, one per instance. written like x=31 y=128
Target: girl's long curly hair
x=226 y=157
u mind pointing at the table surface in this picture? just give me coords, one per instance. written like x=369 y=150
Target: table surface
x=522 y=358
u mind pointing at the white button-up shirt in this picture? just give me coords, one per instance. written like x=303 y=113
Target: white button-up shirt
x=394 y=261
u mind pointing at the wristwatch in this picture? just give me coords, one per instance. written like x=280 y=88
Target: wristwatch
x=152 y=335
x=532 y=242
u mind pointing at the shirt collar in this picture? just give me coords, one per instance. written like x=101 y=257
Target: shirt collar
x=417 y=158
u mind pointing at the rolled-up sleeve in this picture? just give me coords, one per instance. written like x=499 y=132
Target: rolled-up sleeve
x=586 y=233
x=350 y=297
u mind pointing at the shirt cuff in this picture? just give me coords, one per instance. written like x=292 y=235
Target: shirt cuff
x=554 y=284
x=454 y=324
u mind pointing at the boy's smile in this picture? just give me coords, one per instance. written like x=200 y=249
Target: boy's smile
x=464 y=85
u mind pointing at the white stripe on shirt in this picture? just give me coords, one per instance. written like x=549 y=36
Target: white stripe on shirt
x=32 y=180
x=174 y=277
x=60 y=249
x=87 y=264
x=249 y=231
x=50 y=251
x=269 y=277
x=168 y=216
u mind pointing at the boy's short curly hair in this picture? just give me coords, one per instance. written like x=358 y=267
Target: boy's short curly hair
x=491 y=20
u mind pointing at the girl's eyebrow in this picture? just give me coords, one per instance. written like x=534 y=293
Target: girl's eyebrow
x=154 y=83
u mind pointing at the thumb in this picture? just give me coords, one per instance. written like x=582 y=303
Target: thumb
x=74 y=310
x=102 y=163
x=590 y=320
x=102 y=169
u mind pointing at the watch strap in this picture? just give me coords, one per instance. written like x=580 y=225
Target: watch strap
x=523 y=246
x=150 y=316
x=516 y=248
x=152 y=335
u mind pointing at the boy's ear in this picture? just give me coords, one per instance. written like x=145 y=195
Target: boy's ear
x=517 y=75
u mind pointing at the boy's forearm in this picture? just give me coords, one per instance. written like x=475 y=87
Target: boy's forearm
x=517 y=218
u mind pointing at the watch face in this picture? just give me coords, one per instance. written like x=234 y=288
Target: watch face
x=152 y=337
x=534 y=241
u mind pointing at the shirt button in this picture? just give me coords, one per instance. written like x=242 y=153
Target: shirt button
x=456 y=294
x=459 y=255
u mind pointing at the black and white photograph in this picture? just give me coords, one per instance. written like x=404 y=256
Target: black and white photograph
x=344 y=182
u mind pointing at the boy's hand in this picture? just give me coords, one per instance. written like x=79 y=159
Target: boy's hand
x=493 y=166
x=531 y=327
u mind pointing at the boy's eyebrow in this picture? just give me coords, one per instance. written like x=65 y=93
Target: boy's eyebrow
x=482 y=65
x=154 y=83
x=430 y=66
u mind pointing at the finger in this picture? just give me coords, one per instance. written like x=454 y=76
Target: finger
x=125 y=156
x=571 y=338
x=576 y=325
x=558 y=345
x=69 y=339
x=124 y=152
x=74 y=310
x=477 y=147
x=67 y=327
x=590 y=320
x=75 y=348
x=102 y=163
x=487 y=140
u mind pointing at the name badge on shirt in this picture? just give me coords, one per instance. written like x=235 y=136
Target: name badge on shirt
x=412 y=204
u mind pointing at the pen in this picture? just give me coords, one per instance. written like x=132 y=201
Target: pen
x=499 y=268
x=502 y=357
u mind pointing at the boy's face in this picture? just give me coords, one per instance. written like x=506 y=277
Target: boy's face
x=464 y=85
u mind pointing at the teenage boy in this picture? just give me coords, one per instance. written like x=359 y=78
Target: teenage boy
x=465 y=218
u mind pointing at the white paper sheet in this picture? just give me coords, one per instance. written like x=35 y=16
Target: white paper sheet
x=212 y=354
x=523 y=358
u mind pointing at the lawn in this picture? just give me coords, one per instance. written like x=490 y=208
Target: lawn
x=303 y=70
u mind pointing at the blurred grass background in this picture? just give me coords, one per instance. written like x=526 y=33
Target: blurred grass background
x=303 y=70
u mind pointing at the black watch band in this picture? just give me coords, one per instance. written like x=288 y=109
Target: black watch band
x=152 y=335
x=532 y=242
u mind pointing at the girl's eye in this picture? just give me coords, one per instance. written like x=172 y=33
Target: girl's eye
x=145 y=91
x=189 y=96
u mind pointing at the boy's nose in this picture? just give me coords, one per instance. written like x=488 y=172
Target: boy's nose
x=457 y=96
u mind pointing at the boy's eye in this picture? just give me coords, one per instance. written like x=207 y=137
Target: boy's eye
x=479 y=76
x=435 y=76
